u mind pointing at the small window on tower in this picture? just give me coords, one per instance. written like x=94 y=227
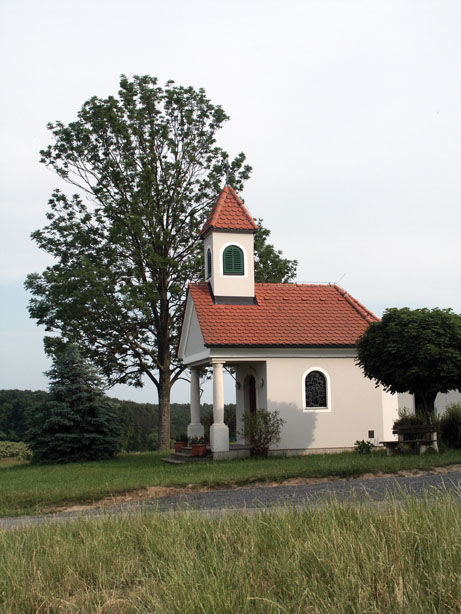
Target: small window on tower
x=208 y=263
x=233 y=260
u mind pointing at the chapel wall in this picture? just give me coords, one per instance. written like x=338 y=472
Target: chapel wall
x=355 y=405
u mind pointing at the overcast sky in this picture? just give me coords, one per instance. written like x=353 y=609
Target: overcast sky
x=349 y=112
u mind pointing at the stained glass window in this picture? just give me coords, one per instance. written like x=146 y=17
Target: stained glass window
x=316 y=389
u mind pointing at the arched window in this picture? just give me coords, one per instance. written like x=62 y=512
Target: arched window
x=208 y=263
x=316 y=390
x=233 y=260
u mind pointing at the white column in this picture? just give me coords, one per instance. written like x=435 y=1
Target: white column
x=195 y=429
x=239 y=402
x=219 y=432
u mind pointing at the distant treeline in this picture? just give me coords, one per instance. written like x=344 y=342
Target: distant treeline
x=139 y=420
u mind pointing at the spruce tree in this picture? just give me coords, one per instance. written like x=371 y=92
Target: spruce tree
x=77 y=422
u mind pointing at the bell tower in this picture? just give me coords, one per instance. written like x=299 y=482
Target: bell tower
x=228 y=243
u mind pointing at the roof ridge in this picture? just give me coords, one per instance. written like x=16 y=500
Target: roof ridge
x=293 y=283
x=365 y=313
x=229 y=213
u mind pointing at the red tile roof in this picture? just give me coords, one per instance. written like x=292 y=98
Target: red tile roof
x=286 y=315
x=229 y=213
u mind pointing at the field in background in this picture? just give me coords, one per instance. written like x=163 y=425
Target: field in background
x=337 y=558
x=27 y=489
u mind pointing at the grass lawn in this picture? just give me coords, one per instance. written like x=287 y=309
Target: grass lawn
x=27 y=489
x=340 y=558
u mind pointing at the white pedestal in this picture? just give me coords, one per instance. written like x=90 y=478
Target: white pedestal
x=195 y=430
x=219 y=438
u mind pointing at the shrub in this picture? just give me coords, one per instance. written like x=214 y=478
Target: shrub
x=407 y=417
x=363 y=447
x=450 y=426
x=262 y=429
x=15 y=449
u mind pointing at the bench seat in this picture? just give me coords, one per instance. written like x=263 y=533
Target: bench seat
x=423 y=444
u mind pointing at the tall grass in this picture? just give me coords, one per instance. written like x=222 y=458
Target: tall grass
x=340 y=558
x=30 y=489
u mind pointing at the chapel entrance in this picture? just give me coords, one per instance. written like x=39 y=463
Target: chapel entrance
x=250 y=394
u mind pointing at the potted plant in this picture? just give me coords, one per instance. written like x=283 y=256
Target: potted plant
x=181 y=442
x=198 y=446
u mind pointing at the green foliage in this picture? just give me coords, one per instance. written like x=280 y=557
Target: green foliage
x=15 y=407
x=15 y=449
x=338 y=558
x=31 y=489
x=363 y=447
x=262 y=429
x=416 y=351
x=138 y=421
x=181 y=438
x=450 y=426
x=77 y=422
x=407 y=417
x=270 y=266
x=147 y=162
x=197 y=440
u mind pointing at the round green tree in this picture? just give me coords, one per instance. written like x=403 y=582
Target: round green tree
x=416 y=351
x=77 y=421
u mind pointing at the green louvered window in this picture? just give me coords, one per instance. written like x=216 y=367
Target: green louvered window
x=233 y=260
x=208 y=263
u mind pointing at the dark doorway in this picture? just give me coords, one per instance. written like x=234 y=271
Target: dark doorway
x=252 y=394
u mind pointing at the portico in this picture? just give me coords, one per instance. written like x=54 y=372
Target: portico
x=250 y=393
x=219 y=432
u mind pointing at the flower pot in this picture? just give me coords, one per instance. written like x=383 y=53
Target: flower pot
x=179 y=445
x=198 y=449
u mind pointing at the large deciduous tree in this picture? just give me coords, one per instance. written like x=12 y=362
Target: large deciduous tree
x=147 y=170
x=416 y=351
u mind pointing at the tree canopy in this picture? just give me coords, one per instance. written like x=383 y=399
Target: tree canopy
x=416 y=351
x=147 y=169
x=270 y=266
x=138 y=421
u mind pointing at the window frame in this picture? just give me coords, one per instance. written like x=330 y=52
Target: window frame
x=224 y=248
x=327 y=386
x=208 y=264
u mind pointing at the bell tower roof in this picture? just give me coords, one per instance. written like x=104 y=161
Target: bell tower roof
x=229 y=214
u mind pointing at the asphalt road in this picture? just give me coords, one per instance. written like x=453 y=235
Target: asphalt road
x=215 y=501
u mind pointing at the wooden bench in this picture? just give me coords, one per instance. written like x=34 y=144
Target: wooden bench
x=422 y=435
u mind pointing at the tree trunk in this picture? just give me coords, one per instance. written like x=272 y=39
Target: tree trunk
x=164 y=389
x=425 y=405
x=164 y=359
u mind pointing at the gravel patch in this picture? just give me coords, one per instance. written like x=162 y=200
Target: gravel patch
x=250 y=498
